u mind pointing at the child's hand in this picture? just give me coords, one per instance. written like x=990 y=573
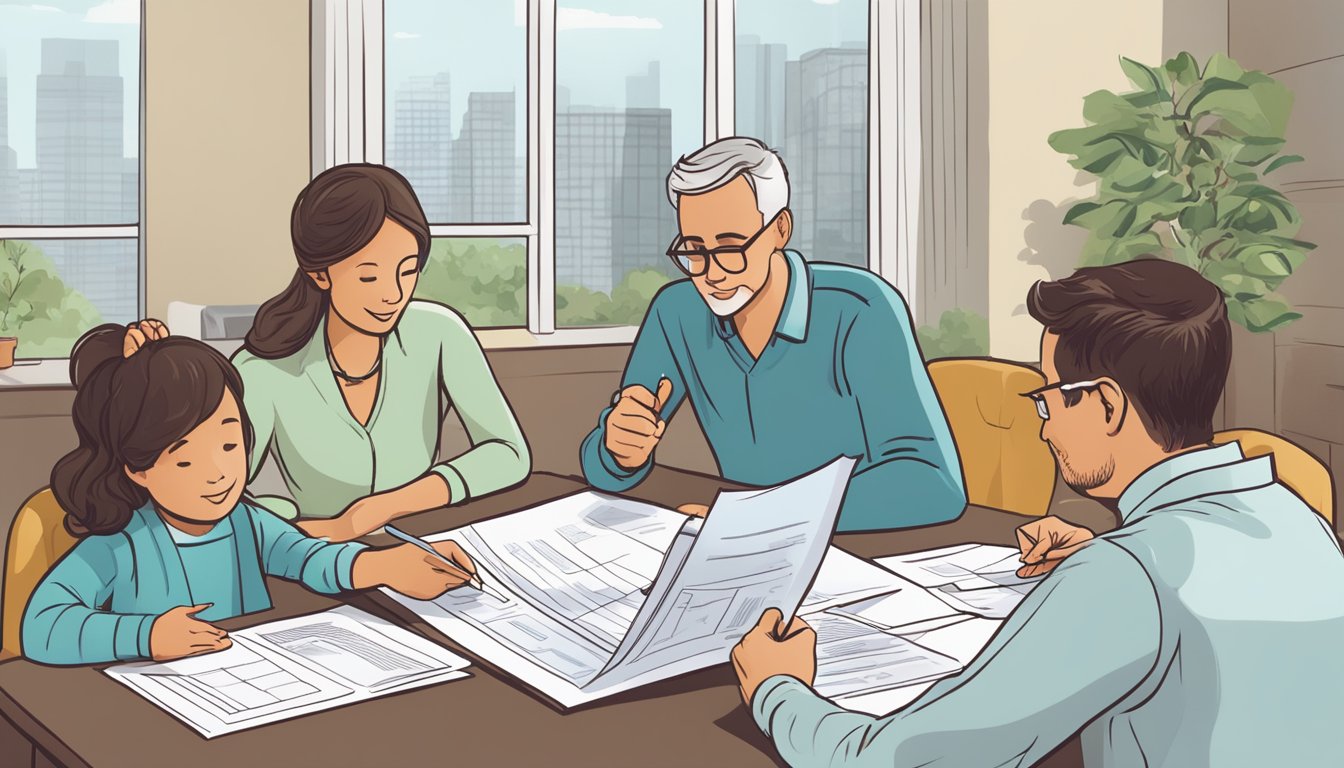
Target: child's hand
x=412 y=571
x=178 y=633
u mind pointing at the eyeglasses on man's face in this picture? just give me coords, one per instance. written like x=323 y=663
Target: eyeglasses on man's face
x=1038 y=395
x=694 y=259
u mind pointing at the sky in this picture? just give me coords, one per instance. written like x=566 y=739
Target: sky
x=481 y=43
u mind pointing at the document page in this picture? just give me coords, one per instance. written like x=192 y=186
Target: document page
x=755 y=550
x=846 y=578
x=853 y=657
x=596 y=594
x=290 y=668
x=584 y=560
x=979 y=579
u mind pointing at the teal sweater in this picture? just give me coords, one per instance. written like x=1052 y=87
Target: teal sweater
x=99 y=602
x=842 y=376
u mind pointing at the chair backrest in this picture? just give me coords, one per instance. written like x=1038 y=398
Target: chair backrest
x=1294 y=465
x=37 y=539
x=997 y=431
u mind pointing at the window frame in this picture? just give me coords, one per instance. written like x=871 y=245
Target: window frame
x=133 y=231
x=348 y=114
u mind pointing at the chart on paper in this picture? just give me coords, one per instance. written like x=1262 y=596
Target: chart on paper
x=289 y=668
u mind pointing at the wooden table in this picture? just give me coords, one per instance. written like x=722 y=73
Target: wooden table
x=80 y=717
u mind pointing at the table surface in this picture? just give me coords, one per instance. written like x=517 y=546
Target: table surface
x=81 y=717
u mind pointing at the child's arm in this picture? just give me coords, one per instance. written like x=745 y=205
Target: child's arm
x=62 y=625
x=291 y=554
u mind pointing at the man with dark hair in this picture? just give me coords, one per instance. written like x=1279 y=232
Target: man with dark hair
x=1205 y=630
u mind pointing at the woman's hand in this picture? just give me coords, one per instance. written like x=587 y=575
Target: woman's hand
x=362 y=516
x=141 y=333
x=412 y=571
x=178 y=633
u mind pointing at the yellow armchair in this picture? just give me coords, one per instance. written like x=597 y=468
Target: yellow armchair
x=997 y=432
x=1295 y=467
x=37 y=539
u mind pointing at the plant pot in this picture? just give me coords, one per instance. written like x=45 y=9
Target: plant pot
x=7 y=346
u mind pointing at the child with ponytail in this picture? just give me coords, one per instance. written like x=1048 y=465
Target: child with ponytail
x=154 y=492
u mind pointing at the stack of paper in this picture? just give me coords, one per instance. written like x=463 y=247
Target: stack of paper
x=290 y=668
x=597 y=594
x=975 y=578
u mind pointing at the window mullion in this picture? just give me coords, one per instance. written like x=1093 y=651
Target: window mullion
x=720 y=69
x=541 y=166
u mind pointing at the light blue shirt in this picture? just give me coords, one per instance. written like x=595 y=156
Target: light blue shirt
x=1206 y=630
x=210 y=563
x=841 y=376
x=99 y=602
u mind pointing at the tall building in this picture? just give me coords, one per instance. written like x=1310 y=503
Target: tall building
x=80 y=134
x=485 y=186
x=644 y=91
x=643 y=222
x=612 y=215
x=760 y=90
x=82 y=172
x=9 y=165
x=420 y=143
x=826 y=128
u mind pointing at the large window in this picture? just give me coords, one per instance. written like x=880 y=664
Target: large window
x=802 y=88
x=539 y=133
x=629 y=101
x=69 y=170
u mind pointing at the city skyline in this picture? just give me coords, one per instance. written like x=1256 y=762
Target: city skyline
x=81 y=174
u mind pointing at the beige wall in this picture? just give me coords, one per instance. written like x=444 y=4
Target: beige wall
x=1044 y=57
x=227 y=136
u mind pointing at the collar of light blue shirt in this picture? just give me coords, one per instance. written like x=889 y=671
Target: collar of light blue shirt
x=793 y=318
x=1190 y=475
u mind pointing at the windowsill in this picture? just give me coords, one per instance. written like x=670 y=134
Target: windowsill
x=54 y=373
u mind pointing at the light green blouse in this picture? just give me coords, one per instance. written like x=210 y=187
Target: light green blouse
x=431 y=362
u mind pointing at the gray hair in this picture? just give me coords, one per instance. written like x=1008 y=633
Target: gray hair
x=717 y=164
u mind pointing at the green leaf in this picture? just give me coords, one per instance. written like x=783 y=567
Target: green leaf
x=1080 y=209
x=1183 y=69
x=1281 y=161
x=1200 y=96
x=1268 y=313
x=1144 y=77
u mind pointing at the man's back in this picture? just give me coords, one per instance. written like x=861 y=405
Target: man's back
x=1250 y=588
x=1206 y=630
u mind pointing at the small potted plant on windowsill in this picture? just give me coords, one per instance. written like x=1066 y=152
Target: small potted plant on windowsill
x=37 y=306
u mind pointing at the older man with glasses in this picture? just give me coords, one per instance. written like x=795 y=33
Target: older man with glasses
x=788 y=364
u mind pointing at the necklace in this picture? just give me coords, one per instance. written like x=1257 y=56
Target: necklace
x=340 y=373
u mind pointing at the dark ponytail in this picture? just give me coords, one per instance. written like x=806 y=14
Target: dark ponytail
x=127 y=411
x=336 y=215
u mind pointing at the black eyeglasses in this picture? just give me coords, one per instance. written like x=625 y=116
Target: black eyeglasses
x=730 y=258
x=1038 y=395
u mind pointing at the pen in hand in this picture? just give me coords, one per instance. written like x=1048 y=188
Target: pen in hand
x=397 y=533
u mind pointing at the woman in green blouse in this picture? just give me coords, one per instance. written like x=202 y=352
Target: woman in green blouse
x=347 y=379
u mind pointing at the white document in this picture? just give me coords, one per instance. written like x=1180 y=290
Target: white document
x=949 y=565
x=962 y=641
x=601 y=594
x=854 y=657
x=289 y=668
x=910 y=609
x=845 y=579
x=973 y=578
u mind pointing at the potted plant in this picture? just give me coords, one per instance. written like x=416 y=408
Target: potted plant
x=1181 y=162
x=36 y=306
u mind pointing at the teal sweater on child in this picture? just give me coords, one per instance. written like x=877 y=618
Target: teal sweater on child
x=99 y=602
